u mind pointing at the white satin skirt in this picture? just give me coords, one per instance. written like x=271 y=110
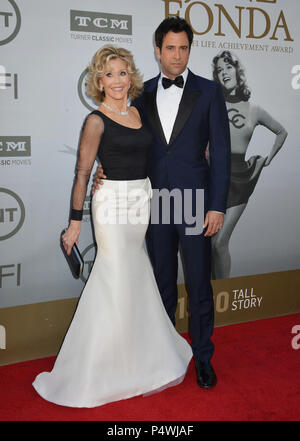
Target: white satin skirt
x=121 y=342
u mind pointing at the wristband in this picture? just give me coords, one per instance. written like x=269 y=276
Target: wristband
x=76 y=214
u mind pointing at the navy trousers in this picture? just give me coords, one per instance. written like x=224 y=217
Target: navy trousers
x=162 y=244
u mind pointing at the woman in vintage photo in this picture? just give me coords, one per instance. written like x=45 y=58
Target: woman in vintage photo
x=243 y=118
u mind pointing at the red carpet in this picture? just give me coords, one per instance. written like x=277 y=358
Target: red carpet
x=257 y=368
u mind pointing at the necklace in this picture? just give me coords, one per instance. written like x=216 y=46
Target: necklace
x=116 y=111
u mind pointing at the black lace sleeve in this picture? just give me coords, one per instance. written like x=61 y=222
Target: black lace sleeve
x=90 y=140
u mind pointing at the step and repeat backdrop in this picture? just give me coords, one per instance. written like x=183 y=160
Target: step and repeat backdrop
x=45 y=48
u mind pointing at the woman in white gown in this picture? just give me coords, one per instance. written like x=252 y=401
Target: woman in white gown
x=121 y=342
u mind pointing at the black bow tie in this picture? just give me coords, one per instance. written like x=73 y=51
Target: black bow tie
x=179 y=82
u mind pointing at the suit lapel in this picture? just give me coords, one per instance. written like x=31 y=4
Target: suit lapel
x=153 y=114
x=189 y=98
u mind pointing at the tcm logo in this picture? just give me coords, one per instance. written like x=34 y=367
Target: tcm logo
x=2 y=337
x=10 y=21
x=15 y=146
x=12 y=213
x=86 y=21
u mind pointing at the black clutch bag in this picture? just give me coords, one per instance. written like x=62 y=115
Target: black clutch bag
x=75 y=260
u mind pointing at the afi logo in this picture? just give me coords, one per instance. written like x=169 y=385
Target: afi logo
x=12 y=213
x=10 y=21
x=10 y=271
x=296 y=340
x=81 y=89
x=9 y=81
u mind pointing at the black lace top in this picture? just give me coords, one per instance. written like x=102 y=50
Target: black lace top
x=121 y=150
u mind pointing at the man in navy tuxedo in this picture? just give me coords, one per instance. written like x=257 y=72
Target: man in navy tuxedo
x=186 y=113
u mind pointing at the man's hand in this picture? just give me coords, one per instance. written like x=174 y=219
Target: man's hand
x=99 y=175
x=213 y=221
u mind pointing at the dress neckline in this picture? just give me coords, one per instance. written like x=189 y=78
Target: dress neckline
x=233 y=99
x=122 y=125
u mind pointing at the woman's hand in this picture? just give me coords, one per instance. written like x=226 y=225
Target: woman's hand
x=99 y=175
x=71 y=236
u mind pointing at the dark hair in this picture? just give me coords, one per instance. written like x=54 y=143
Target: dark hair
x=242 y=91
x=173 y=24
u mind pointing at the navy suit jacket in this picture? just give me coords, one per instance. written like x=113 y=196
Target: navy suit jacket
x=201 y=120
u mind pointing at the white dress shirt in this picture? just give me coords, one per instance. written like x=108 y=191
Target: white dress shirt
x=167 y=101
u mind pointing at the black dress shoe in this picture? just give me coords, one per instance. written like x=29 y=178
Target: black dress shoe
x=206 y=376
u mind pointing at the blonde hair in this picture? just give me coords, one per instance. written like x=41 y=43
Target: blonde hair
x=97 y=68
